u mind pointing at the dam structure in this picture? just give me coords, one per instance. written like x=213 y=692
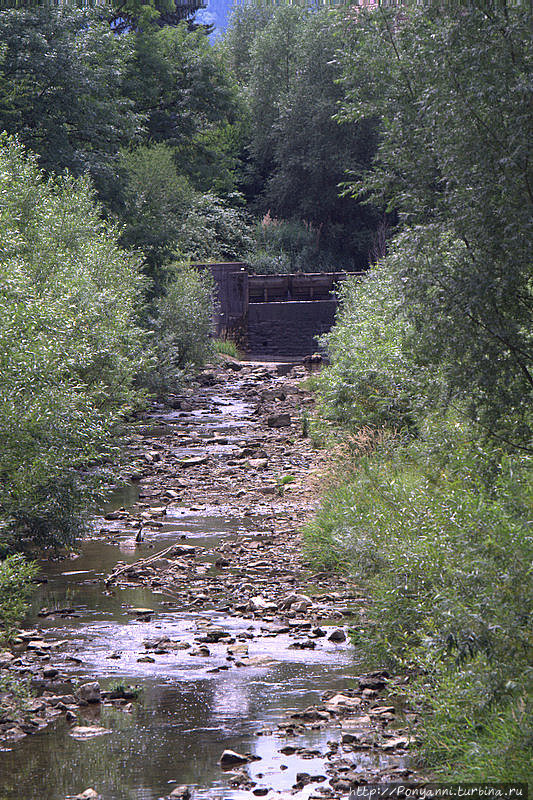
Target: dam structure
x=273 y=315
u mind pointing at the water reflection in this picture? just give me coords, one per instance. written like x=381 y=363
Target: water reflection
x=186 y=715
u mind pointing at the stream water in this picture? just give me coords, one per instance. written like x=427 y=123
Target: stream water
x=186 y=715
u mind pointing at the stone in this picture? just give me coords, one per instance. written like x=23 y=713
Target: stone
x=89 y=692
x=279 y=420
x=395 y=743
x=258 y=603
x=83 y=732
x=193 y=461
x=341 y=702
x=200 y=651
x=50 y=672
x=296 y=602
x=258 y=463
x=337 y=635
x=180 y=793
x=5 y=659
x=374 y=680
x=230 y=758
x=88 y=794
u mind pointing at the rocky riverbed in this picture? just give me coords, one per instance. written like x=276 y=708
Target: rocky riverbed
x=200 y=577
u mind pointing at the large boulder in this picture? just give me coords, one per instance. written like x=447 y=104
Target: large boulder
x=89 y=692
x=279 y=420
x=230 y=758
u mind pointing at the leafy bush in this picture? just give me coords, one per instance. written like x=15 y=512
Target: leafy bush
x=446 y=558
x=180 y=329
x=283 y=246
x=15 y=581
x=69 y=347
x=453 y=111
x=214 y=230
x=156 y=201
x=372 y=379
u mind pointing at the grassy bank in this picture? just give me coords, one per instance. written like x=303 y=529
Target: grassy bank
x=445 y=559
x=432 y=518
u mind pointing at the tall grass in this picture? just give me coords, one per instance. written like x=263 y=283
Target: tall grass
x=445 y=558
x=227 y=347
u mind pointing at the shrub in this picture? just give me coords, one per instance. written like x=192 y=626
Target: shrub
x=372 y=380
x=15 y=581
x=181 y=329
x=70 y=348
x=445 y=554
x=214 y=230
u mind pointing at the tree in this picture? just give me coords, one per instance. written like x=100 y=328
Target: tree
x=141 y=14
x=180 y=86
x=453 y=99
x=298 y=153
x=155 y=203
x=61 y=74
x=312 y=152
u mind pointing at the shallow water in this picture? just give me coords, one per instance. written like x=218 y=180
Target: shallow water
x=186 y=715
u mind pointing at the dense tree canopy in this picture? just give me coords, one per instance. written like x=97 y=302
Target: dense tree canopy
x=453 y=97
x=62 y=92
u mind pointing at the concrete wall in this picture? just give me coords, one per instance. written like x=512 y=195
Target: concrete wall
x=274 y=315
x=288 y=328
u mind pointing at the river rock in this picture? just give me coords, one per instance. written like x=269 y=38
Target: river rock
x=258 y=463
x=180 y=793
x=259 y=603
x=230 y=758
x=279 y=420
x=83 y=732
x=193 y=461
x=89 y=692
x=374 y=680
x=5 y=659
x=88 y=794
x=203 y=651
x=341 y=702
x=296 y=602
x=337 y=635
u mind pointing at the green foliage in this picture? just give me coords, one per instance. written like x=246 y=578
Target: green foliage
x=15 y=582
x=226 y=347
x=181 y=329
x=372 y=378
x=69 y=347
x=61 y=90
x=282 y=482
x=298 y=153
x=119 y=689
x=142 y=15
x=431 y=513
x=156 y=201
x=454 y=109
x=214 y=230
x=446 y=559
x=283 y=246
x=178 y=83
